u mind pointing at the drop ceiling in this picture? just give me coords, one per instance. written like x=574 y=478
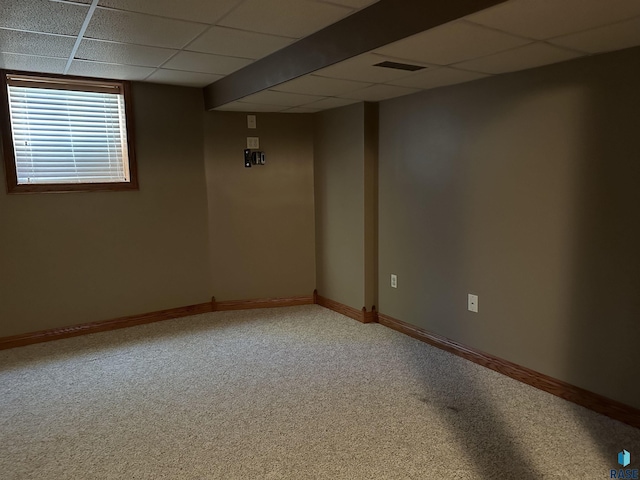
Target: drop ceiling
x=197 y=42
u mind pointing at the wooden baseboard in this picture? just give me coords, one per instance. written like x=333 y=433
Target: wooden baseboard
x=362 y=316
x=339 y=307
x=130 y=321
x=102 y=326
x=261 y=303
x=369 y=317
x=592 y=401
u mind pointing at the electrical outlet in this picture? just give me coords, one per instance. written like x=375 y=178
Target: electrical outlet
x=251 y=121
x=394 y=281
x=253 y=143
x=472 y=303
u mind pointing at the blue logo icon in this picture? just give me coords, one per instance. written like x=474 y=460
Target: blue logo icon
x=624 y=458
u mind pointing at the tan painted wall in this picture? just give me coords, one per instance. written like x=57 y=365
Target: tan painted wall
x=522 y=189
x=371 y=116
x=339 y=203
x=261 y=219
x=80 y=257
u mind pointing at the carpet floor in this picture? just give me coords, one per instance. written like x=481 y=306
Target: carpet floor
x=284 y=393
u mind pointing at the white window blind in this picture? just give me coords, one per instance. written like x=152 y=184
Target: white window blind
x=66 y=133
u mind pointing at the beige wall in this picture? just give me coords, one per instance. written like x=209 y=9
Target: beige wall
x=370 y=179
x=346 y=196
x=81 y=257
x=522 y=189
x=261 y=219
x=339 y=203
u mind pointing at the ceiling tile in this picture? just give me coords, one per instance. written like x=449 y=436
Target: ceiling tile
x=108 y=70
x=188 y=79
x=352 y=3
x=204 y=11
x=43 y=16
x=377 y=93
x=314 y=85
x=452 y=43
x=205 y=63
x=141 y=29
x=289 y=18
x=249 y=107
x=362 y=68
x=123 y=53
x=521 y=58
x=300 y=110
x=438 y=77
x=15 y=41
x=543 y=19
x=331 y=102
x=32 y=63
x=604 y=39
x=270 y=97
x=237 y=43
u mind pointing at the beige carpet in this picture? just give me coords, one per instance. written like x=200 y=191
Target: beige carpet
x=291 y=393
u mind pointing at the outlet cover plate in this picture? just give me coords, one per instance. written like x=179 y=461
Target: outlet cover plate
x=253 y=143
x=472 y=303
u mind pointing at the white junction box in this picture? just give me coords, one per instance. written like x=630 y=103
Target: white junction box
x=394 y=280
x=253 y=143
x=472 y=303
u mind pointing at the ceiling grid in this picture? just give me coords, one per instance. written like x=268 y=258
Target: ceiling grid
x=204 y=41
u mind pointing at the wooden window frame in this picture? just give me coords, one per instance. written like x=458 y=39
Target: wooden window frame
x=66 y=82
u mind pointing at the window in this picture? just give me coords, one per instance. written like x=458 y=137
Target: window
x=64 y=134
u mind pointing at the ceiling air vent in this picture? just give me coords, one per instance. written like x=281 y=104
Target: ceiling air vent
x=400 y=66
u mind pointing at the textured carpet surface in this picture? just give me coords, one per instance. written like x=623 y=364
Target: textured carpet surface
x=295 y=393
